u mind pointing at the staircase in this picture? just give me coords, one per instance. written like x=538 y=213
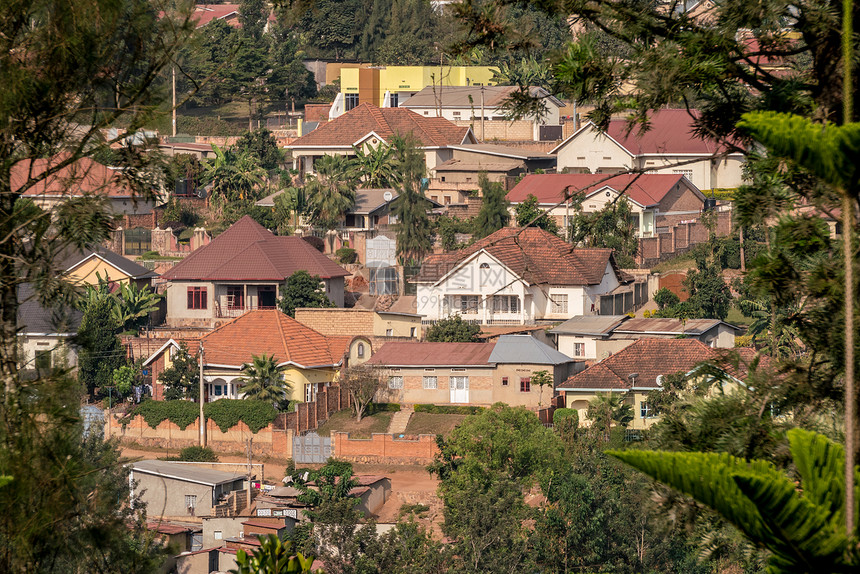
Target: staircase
x=400 y=420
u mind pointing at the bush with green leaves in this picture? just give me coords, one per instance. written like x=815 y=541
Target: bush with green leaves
x=181 y=413
x=664 y=297
x=448 y=409
x=346 y=255
x=453 y=330
x=374 y=408
x=197 y=454
x=226 y=413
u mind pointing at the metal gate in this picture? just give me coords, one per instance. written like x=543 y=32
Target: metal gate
x=311 y=448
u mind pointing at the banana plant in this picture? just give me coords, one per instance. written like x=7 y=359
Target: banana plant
x=802 y=524
x=275 y=556
x=134 y=304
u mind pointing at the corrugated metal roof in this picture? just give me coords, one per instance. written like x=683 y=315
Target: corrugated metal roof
x=34 y=318
x=589 y=325
x=526 y=350
x=187 y=472
x=669 y=325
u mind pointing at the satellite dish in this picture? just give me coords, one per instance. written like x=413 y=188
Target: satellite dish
x=387 y=196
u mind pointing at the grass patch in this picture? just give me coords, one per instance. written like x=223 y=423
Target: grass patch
x=679 y=263
x=344 y=421
x=431 y=423
x=735 y=317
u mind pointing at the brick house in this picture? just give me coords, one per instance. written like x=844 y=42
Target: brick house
x=377 y=326
x=470 y=373
x=652 y=197
x=242 y=270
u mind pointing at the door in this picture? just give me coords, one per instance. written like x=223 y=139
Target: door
x=459 y=389
x=267 y=297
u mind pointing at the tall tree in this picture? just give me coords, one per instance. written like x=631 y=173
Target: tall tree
x=302 y=290
x=253 y=15
x=375 y=166
x=410 y=207
x=494 y=212
x=182 y=378
x=331 y=191
x=263 y=147
x=101 y=351
x=611 y=228
x=362 y=383
x=529 y=214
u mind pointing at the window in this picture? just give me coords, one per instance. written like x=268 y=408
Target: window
x=633 y=435
x=525 y=385
x=458 y=370
x=395 y=382
x=218 y=535
x=426 y=112
x=436 y=197
x=504 y=381
x=138 y=241
x=350 y=101
x=430 y=383
x=429 y=370
x=389 y=332
x=236 y=297
x=448 y=199
x=558 y=303
x=579 y=349
x=455 y=113
x=484 y=265
x=393 y=99
x=413 y=331
x=506 y=304
x=197 y=298
x=361 y=350
x=469 y=304
x=43 y=361
x=686 y=172
x=645 y=410
x=458 y=383
x=190 y=501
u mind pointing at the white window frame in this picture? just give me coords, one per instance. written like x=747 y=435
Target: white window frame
x=506 y=304
x=645 y=411
x=190 y=501
x=430 y=383
x=558 y=303
x=453 y=380
x=395 y=382
x=579 y=349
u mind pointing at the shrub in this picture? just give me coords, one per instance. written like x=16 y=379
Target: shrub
x=665 y=298
x=448 y=409
x=564 y=413
x=197 y=454
x=374 y=408
x=317 y=242
x=150 y=255
x=181 y=413
x=227 y=412
x=346 y=255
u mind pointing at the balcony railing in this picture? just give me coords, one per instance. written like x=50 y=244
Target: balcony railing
x=236 y=311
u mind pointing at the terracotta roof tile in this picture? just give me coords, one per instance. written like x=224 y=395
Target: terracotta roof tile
x=433 y=354
x=647 y=189
x=248 y=251
x=648 y=359
x=83 y=177
x=359 y=122
x=537 y=256
x=273 y=333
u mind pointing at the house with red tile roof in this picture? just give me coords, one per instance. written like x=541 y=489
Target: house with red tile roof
x=638 y=369
x=241 y=270
x=517 y=277
x=48 y=185
x=669 y=142
x=310 y=360
x=471 y=373
x=367 y=126
x=652 y=197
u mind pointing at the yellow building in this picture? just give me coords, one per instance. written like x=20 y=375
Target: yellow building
x=85 y=267
x=389 y=86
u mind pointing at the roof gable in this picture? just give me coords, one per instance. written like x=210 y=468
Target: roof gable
x=532 y=254
x=646 y=190
x=248 y=251
x=526 y=350
x=358 y=123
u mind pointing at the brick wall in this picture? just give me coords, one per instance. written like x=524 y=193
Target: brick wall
x=337 y=321
x=384 y=448
x=518 y=130
x=678 y=238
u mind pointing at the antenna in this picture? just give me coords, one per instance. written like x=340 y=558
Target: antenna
x=387 y=196
x=632 y=377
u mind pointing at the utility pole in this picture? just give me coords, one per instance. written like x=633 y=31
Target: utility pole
x=202 y=418
x=250 y=450
x=174 y=101
x=483 y=134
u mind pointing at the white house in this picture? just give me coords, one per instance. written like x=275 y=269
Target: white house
x=517 y=276
x=669 y=146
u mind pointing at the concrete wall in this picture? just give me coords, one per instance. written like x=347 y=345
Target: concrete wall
x=62 y=354
x=166 y=496
x=384 y=448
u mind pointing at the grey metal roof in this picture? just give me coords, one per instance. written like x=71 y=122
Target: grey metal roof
x=33 y=318
x=504 y=151
x=599 y=325
x=269 y=200
x=186 y=472
x=470 y=96
x=659 y=325
x=369 y=200
x=525 y=349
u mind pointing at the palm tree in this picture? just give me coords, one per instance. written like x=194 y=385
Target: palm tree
x=376 y=166
x=331 y=192
x=233 y=175
x=264 y=381
x=609 y=408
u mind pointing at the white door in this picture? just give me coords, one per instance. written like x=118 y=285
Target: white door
x=459 y=389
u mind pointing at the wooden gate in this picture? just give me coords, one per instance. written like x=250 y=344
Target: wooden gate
x=311 y=448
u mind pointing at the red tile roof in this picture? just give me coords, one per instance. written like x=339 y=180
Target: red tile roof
x=205 y=13
x=359 y=122
x=248 y=251
x=671 y=131
x=273 y=333
x=647 y=358
x=647 y=189
x=83 y=177
x=535 y=255
x=433 y=354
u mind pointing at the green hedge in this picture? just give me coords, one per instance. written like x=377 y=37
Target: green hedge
x=447 y=409
x=345 y=255
x=374 y=408
x=563 y=413
x=197 y=454
x=227 y=412
x=224 y=412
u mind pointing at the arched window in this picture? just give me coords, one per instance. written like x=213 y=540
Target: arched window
x=485 y=265
x=361 y=350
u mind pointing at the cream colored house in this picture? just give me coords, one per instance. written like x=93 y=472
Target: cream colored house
x=668 y=147
x=87 y=266
x=516 y=277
